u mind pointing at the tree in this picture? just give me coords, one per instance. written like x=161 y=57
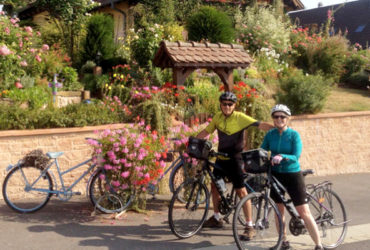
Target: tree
x=210 y=24
x=72 y=15
x=99 y=38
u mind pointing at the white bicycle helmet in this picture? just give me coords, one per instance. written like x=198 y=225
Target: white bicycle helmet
x=281 y=108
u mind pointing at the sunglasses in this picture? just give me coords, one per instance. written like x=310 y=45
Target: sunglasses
x=227 y=104
x=279 y=116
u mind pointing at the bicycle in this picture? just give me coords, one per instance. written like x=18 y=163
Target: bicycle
x=98 y=185
x=28 y=187
x=325 y=205
x=189 y=205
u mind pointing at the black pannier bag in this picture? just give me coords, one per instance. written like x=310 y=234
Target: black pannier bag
x=255 y=160
x=199 y=148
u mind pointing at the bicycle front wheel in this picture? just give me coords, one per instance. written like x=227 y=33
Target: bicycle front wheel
x=104 y=198
x=186 y=218
x=26 y=189
x=266 y=221
x=330 y=215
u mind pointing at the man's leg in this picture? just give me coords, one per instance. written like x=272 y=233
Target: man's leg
x=215 y=220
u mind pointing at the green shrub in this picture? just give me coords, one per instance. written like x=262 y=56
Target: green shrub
x=359 y=80
x=69 y=77
x=259 y=28
x=99 y=38
x=95 y=83
x=356 y=62
x=211 y=25
x=260 y=111
x=74 y=115
x=304 y=93
x=36 y=97
x=327 y=56
x=145 y=44
x=155 y=114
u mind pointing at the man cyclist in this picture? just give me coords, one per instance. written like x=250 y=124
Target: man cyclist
x=230 y=126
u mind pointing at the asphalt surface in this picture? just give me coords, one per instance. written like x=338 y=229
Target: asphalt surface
x=73 y=224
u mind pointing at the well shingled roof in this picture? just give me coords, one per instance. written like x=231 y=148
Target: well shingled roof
x=201 y=55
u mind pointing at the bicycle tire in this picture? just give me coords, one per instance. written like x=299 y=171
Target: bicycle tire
x=177 y=177
x=15 y=192
x=333 y=225
x=187 y=218
x=99 y=194
x=267 y=235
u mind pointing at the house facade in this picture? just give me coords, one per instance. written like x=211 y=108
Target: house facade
x=352 y=19
x=122 y=15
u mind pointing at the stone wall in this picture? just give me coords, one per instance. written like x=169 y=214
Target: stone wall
x=332 y=144
x=335 y=143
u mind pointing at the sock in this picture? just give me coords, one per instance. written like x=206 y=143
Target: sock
x=250 y=223
x=217 y=216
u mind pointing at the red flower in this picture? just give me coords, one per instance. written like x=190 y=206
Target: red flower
x=189 y=100
x=176 y=94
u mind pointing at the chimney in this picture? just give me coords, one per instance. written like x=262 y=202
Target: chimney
x=319 y=5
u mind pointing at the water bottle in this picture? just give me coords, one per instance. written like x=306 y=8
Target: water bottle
x=221 y=184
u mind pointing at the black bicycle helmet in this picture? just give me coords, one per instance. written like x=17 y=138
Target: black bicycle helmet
x=228 y=96
x=281 y=108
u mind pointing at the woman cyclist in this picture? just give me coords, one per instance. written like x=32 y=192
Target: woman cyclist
x=286 y=146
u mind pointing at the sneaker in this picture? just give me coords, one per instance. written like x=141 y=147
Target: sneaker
x=213 y=223
x=284 y=246
x=248 y=234
x=319 y=248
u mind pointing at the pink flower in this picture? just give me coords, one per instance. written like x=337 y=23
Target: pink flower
x=4 y=51
x=18 y=85
x=124 y=186
x=45 y=47
x=23 y=63
x=7 y=30
x=115 y=183
x=38 y=33
x=125 y=174
x=28 y=29
x=13 y=20
x=108 y=167
x=102 y=177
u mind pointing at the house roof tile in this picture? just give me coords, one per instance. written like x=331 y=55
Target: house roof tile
x=206 y=55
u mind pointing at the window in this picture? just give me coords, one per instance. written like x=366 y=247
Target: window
x=360 y=28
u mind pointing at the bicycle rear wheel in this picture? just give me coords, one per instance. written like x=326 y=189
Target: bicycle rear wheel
x=186 y=218
x=330 y=216
x=264 y=216
x=25 y=190
x=104 y=198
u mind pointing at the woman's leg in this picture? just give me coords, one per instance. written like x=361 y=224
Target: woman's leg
x=309 y=221
x=281 y=208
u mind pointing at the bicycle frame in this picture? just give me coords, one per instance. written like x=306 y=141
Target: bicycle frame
x=63 y=190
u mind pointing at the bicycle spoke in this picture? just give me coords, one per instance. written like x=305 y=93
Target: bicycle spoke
x=329 y=213
x=186 y=218
x=20 y=195
x=263 y=218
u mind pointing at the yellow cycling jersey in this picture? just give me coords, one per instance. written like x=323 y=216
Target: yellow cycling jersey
x=230 y=130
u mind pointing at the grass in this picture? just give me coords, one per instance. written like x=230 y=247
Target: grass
x=346 y=99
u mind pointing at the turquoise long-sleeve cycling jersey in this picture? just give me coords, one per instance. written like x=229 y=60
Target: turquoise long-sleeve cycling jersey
x=288 y=145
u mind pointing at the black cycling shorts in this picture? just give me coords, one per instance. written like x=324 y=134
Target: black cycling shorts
x=295 y=186
x=232 y=169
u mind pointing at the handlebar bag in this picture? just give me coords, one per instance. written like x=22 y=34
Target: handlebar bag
x=199 y=148
x=255 y=160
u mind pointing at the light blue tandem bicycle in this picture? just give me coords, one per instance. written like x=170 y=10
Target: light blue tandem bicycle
x=28 y=187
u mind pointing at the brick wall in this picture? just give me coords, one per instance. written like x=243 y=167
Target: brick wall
x=332 y=144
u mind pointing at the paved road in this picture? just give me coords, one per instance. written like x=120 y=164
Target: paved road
x=71 y=226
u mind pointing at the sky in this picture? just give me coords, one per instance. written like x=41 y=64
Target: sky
x=309 y=4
